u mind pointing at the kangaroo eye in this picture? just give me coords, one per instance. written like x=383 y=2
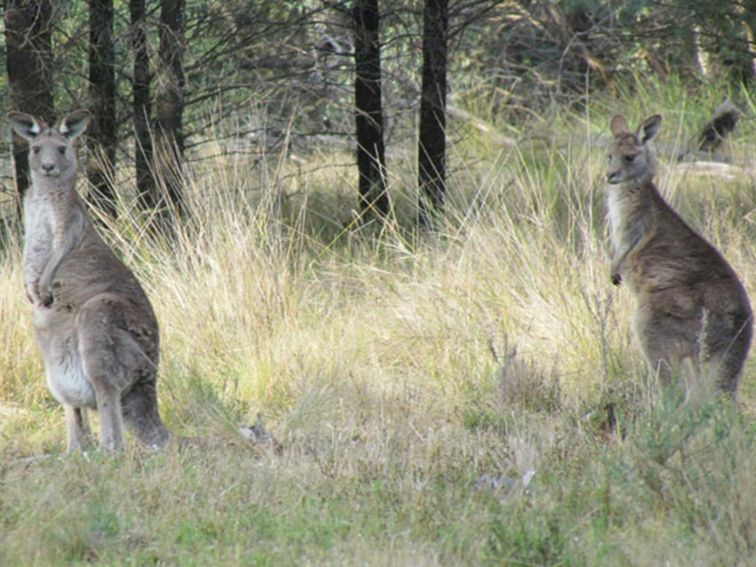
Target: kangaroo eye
x=62 y=150
x=36 y=149
x=629 y=159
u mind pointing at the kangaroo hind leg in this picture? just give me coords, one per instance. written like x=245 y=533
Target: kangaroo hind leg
x=108 y=356
x=141 y=415
x=77 y=425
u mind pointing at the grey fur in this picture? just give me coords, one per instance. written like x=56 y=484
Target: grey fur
x=95 y=327
x=691 y=309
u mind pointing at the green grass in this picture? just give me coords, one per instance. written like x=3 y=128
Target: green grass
x=397 y=372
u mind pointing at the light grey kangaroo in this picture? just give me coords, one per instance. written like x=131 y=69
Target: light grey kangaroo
x=690 y=304
x=95 y=327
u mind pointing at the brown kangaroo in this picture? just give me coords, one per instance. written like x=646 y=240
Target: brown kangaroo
x=95 y=327
x=690 y=304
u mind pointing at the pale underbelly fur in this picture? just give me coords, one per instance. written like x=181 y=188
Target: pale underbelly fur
x=66 y=378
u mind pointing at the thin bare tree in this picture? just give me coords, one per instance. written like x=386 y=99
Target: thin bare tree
x=371 y=151
x=432 y=134
x=169 y=102
x=142 y=107
x=103 y=137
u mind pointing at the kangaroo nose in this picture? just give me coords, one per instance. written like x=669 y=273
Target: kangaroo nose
x=48 y=167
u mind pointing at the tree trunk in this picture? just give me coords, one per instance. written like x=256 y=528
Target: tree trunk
x=371 y=152
x=432 y=135
x=169 y=102
x=147 y=197
x=28 y=36
x=102 y=131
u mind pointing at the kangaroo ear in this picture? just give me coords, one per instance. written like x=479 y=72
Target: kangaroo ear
x=26 y=125
x=618 y=125
x=649 y=129
x=73 y=125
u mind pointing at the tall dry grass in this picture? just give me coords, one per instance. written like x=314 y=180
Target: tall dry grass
x=398 y=370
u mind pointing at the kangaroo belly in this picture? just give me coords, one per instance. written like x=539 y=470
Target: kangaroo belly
x=66 y=378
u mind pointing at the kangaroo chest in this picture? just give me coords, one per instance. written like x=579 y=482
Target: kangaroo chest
x=38 y=232
x=614 y=207
x=628 y=220
x=54 y=328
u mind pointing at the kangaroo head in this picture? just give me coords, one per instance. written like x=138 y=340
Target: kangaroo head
x=630 y=157
x=51 y=151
